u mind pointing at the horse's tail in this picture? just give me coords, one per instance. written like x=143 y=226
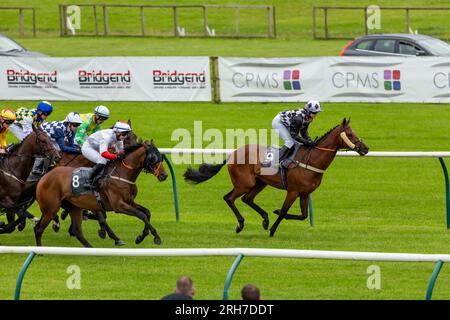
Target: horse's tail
x=205 y=172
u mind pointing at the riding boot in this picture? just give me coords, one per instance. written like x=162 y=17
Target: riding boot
x=96 y=174
x=285 y=156
x=37 y=170
x=38 y=167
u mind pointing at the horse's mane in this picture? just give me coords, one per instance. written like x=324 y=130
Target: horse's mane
x=133 y=147
x=12 y=148
x=326 y=134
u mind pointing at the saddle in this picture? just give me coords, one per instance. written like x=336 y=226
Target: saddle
x=271 y=161
x=271 y=158
x=80 y=183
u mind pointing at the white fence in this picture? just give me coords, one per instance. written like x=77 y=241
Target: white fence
x=239 y=252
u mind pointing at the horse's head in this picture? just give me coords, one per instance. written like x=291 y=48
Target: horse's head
x=153 y=162
x=350 y=140
x=130 y=139
x=43 y=146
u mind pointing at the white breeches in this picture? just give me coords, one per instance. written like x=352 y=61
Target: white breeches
x=282 y=131
x=92 y=154
x=17 y=131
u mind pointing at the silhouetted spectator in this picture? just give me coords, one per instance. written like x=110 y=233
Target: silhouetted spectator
x=250 y=292
x=183 y=291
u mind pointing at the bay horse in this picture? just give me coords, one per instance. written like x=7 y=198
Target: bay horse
x=303 y=177
x=15 y=167
x=76 y=161
x=118 y=191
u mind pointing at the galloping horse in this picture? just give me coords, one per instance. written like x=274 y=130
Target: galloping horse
x=15 y=167
x=118 y=191
x=303 y=177
x=76 y=161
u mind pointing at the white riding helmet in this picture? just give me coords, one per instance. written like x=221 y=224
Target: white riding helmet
x=73 y=117
x=312 y=106
x=102 y=111
x=121 y=126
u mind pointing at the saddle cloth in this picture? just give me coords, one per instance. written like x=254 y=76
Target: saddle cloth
x=271 y=158
x=80 y=178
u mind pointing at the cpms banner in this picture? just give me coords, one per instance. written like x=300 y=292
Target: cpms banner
x=336 y=79
x=106 y=78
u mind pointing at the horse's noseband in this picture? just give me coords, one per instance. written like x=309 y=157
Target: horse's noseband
x=347 y=141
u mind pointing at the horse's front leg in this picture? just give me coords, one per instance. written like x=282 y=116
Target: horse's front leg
x=105 y=228
x=304 y=202
x=142 y=213
x=288 y=201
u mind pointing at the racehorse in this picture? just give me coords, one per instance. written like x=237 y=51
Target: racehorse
x=15 y=167
x=303 y=177
x=76 y=161
x=118 y=191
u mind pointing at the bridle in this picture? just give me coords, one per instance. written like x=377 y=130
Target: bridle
x=41 y=144
x=347 y=141
x=155 y=171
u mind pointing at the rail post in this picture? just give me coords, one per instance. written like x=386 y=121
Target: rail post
x=230 y=275
x=22 y=274
x=174 y=187
x=310 y=208
x=447 y=192
x=433 y=279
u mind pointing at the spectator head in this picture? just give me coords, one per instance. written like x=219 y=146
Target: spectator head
x=185 y=286
x=250 y=292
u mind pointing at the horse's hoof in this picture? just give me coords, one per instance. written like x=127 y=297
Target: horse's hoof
x=119 y=243
x=21 y=226
x=303 y=218
x=102 y=234
x=2 y=224
x=139 y=239
x=239 y=228
x=265 y=224
x=157 y=240
x=56 y=227
x=277 y=211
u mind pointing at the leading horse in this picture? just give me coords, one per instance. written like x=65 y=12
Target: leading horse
x=118 y=191
x=303 y=177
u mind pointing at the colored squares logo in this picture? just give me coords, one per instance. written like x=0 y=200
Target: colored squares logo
x=392 y=80
x=291 y=80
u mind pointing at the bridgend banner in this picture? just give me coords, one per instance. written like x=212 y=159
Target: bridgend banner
x=336 y=79
x=106 y=79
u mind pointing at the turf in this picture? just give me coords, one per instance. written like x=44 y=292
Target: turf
x=363 y=204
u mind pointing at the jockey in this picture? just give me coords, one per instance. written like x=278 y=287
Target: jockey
x=62 y=133
x=289 y=124
x=26 y=118
x=7 y=117
x=91 y=124
x=97 y=145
